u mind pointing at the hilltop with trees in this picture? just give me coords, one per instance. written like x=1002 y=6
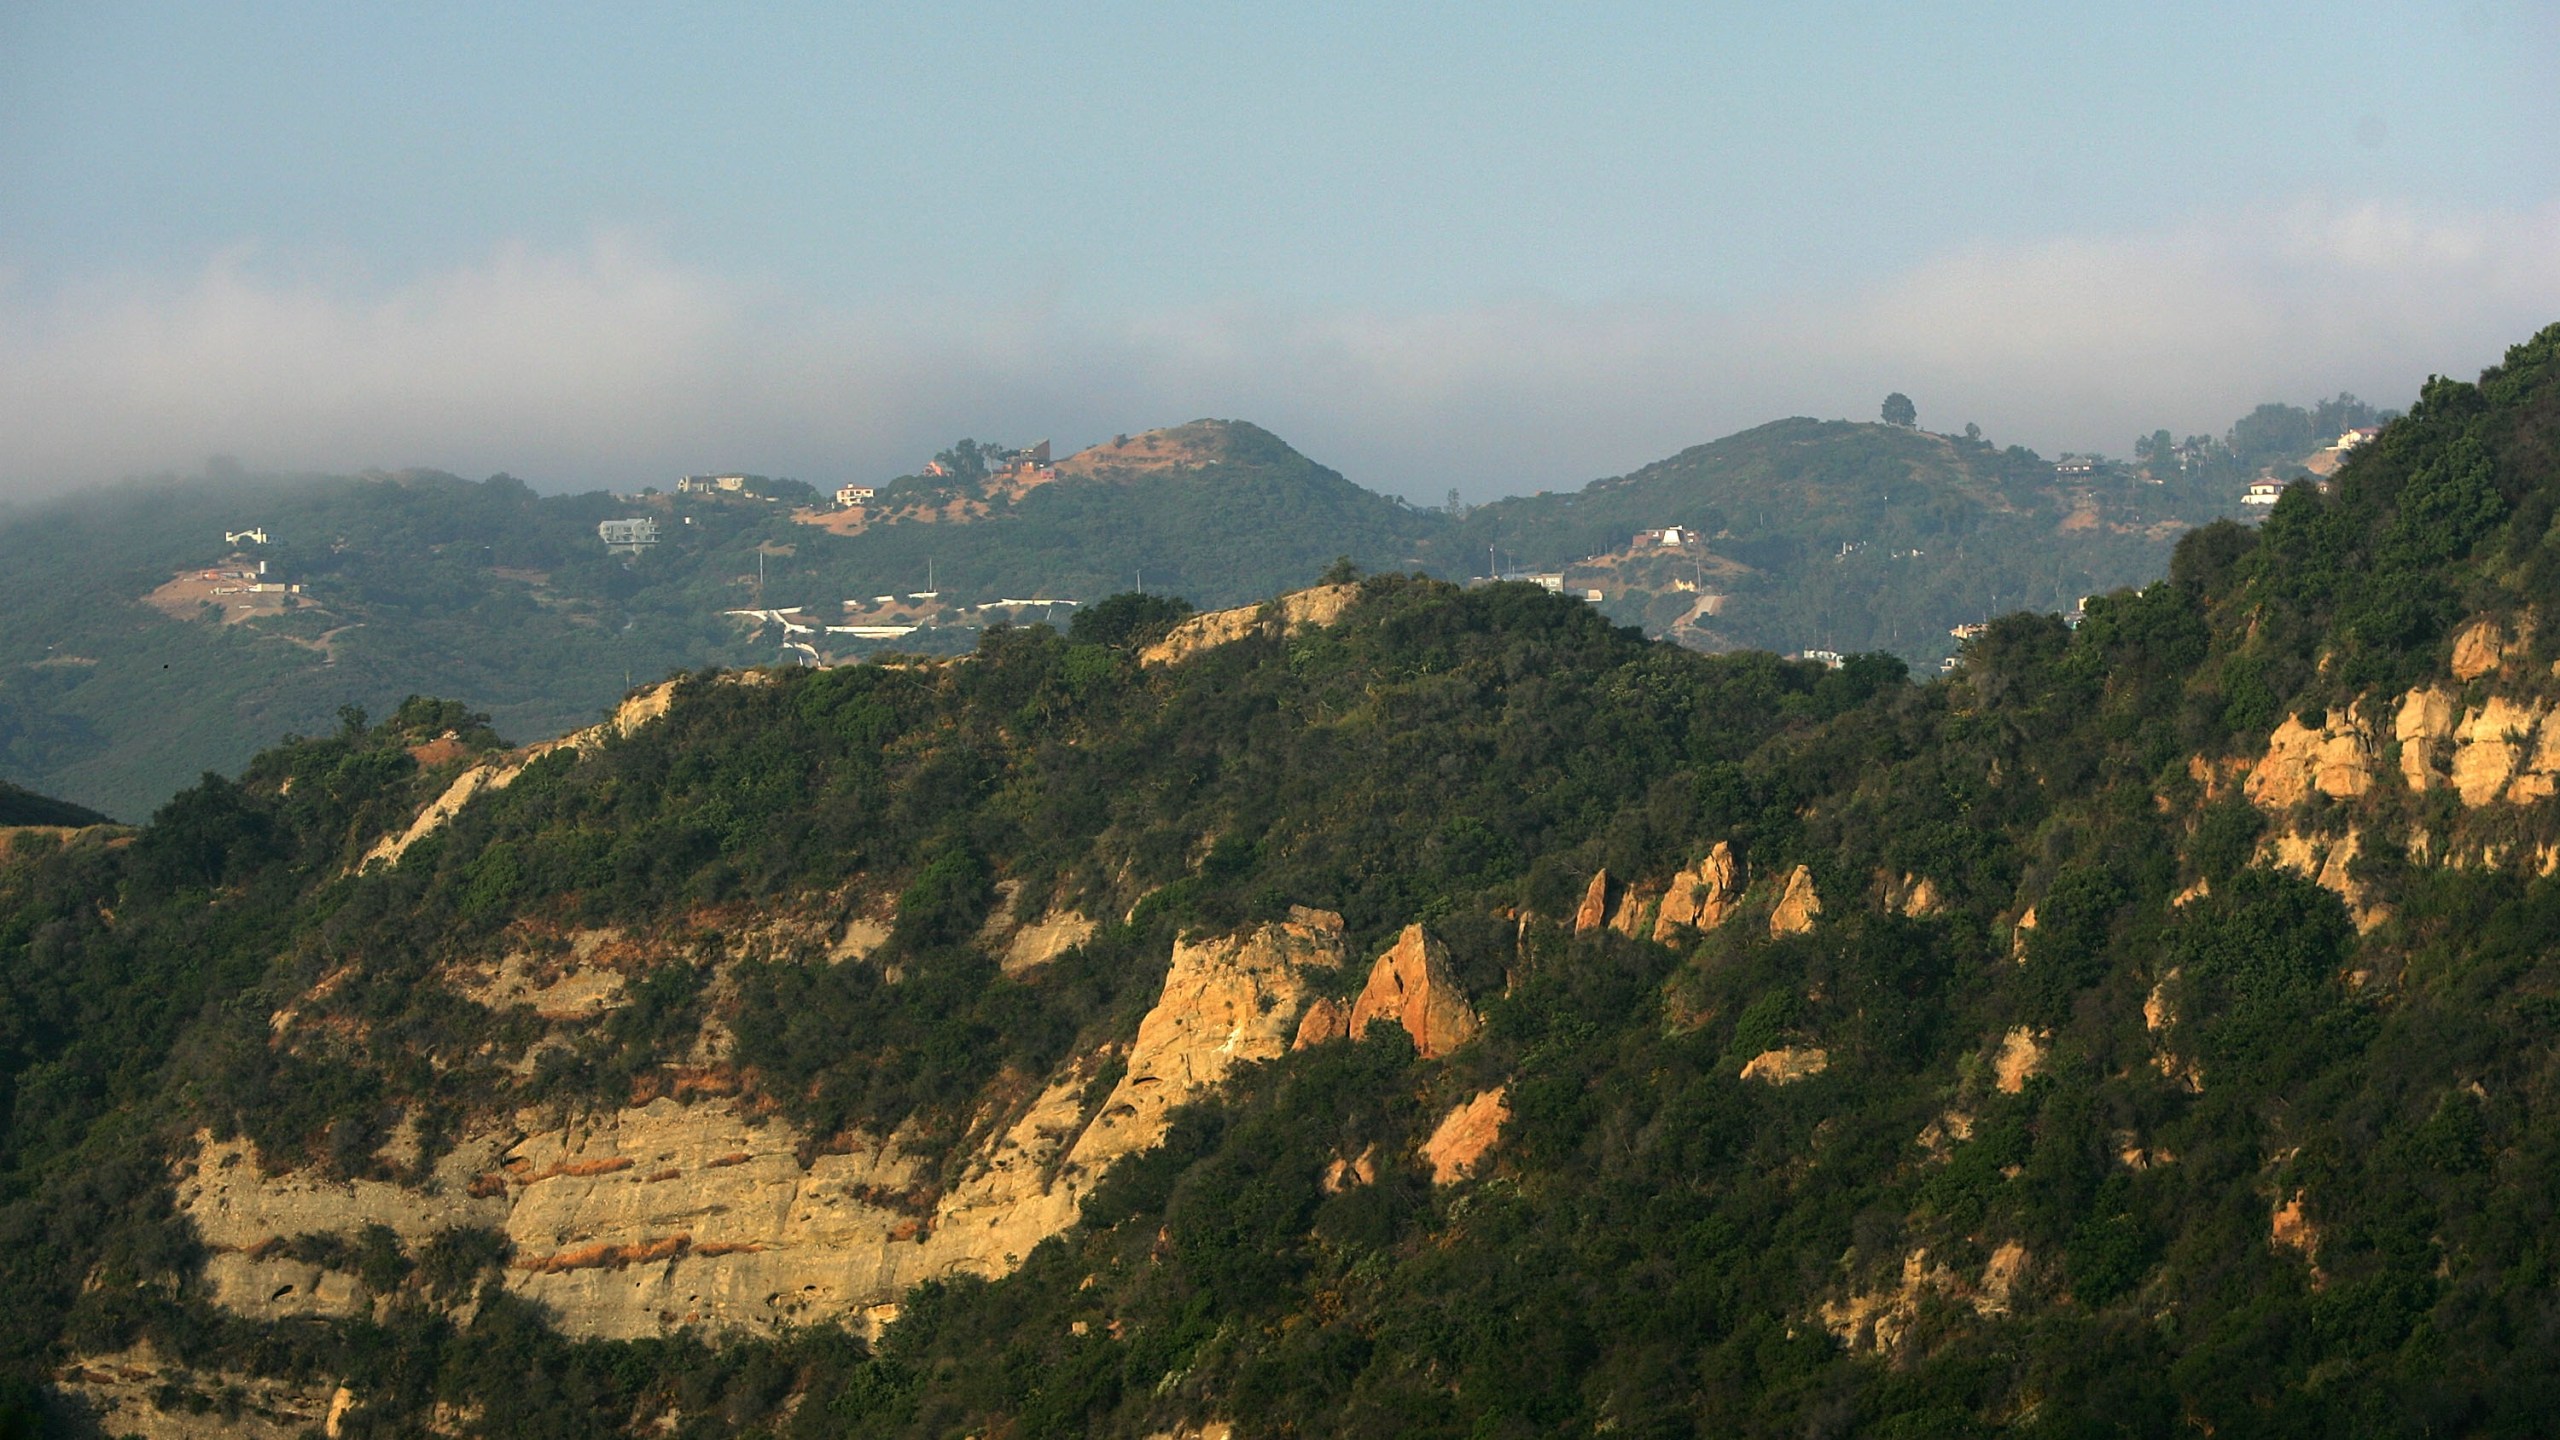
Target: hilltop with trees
x=2144 y=1029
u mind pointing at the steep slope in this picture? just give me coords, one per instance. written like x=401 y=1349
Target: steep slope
x=1483 y=1021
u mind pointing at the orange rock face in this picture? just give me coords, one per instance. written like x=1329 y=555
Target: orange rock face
x=1325 y=1022
x=1466 y=1135
x=1797 y=908
x=1594 y=910
x=1411 y=985
x=1702 y=896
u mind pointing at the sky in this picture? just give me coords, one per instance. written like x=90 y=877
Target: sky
x=1484 y=247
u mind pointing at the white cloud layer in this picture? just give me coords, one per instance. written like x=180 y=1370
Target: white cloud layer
x=613 y=366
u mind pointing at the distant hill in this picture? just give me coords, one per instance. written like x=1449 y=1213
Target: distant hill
x=141 y=651
x=1404 y=1009
x=1848 y=537
x=20 y=806
x=1218 y=510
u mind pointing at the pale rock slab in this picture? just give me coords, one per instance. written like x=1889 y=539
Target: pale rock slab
x=1798 y=906
x=1300 y=609
x=2423 y=721
x=1787 y=1066
x=1465 y=1136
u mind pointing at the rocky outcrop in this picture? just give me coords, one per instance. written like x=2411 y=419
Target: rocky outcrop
x=1701 y=897
x=1633 y=907
x=2328 y=863
x=1299 y=610
x=1410 y=985
x=2423 y=722
x=636 y=710
x=636 y=1222
x=1325 y=1022
x=1787 y=1066
x=1878 y=1320
x=1225 y=1002
x=138 y=1392
x=2335 y=760
x=2020 y=1059
x=1913 y=897
x=1350 y=1172
x=1593 y=912
x=1044 y=940
x=2291 y=1228
x=1465 y=1136
x=2484 y=646
x=1798 y=906
x=2492 y=741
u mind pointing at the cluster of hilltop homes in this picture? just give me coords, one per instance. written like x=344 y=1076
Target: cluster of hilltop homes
x=2267 y=492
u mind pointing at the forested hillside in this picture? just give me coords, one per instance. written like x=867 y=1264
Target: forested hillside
x=1858 y=536
x=1401 y=1010
x=131 y=664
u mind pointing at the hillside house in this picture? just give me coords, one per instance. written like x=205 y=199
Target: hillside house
x=627 y=536
x=719 y=484
x=2265 y=492
x=852 y=495
x=1669 y=536
x=2350 y=439
x=2075 y=467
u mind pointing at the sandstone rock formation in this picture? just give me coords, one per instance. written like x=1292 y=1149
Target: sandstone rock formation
x=2290 y=1228
x=1410 y=985
x=636 y=710
x=1914 y=897
x=1325 y=1023
x=2336 y=760
x=1701 y=897
x=1298 y=610
x=138 y=1392
x=1629 y=916
x=2021 y=1058
x=2484 y=645
x=1465 y=1136
x=1879 y=1319
x=1787 y=1066
x=1044 y=940
x=2327 y=862
x=1797 y=908
x=631 y=1223
x=1593 y=912
x=1350 y=1172
x=2424 y=720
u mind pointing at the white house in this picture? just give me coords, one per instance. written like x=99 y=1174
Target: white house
x=852 y=495
x=2265 y=492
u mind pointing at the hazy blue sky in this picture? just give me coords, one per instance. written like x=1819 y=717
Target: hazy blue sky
x=1499 y=247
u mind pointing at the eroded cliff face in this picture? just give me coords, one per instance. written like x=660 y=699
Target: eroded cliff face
x=644 y=1220
x=1300 y=609
x=497 y=773
x=1411 y=986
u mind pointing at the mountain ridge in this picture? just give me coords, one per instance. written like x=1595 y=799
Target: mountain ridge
x=2144 y=1027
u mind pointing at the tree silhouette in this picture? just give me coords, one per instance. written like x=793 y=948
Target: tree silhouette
x=1898 y=410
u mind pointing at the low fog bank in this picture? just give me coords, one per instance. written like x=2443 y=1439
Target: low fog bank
x=614 y=367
